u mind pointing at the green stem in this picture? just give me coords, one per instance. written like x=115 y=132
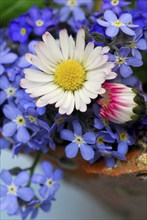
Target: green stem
x=37 y=158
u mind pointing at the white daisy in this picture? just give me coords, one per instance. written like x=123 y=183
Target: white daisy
x=69 y=74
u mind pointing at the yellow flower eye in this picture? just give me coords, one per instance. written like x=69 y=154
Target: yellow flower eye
x=123 y=136
x=39 y=23
x=117 y=23
x=72 y=3
x=114 y=2
x=100 y=140
x=20 y=121
x=23 y=31
x=70 y=75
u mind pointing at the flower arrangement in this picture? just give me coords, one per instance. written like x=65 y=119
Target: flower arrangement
x=68 y=78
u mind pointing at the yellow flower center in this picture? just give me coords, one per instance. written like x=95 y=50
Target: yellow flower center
x=12 y=189
x=70 y=75
x=79 y=140
x=49 y=182
x=37 y=206
x=114 y=2
x=32 y=119
x=106 y=122
x=120 y=60
x=133 y=44
x=72 y=3
x=39 y=23
x=117 y=23
x=23 y=31
x=10 y=91
x=20 y=121
x=123 y=136
x=100 y=140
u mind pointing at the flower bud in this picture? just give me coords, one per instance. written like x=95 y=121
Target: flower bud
x=120 y=103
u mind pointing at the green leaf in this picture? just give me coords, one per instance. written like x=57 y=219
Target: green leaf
x=10 y=9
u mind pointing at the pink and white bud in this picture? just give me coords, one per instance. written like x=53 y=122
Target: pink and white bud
x=120 y=103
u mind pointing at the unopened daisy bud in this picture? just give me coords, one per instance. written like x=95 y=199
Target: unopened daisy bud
x=120 y=103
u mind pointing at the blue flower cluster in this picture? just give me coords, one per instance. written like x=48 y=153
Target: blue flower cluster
x=19 y=198
x=94 y=145
x=35 y=20
x=31 y=129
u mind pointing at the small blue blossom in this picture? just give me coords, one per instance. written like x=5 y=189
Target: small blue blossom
x=114 y=5
x=104 y=136
x=139 y=14
x=40 y=20
x=7 y=57
x=76 y=24
x=17 y=125
x=74 y=7
x=123 y=139
x=27 y=104
x=123 y=62
x=19 y=30
x=14 y=71
x=108 y=154
x=8 y=90
x=59 y=123
x=49 y=181
x=78 y=141
x=114 y=24
x=14 y=189
x=34 y=206
x=28 y=108
x=18 y=147
x=40 y=141
x=138 y=42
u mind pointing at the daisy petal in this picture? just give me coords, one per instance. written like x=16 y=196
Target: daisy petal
x=54 y=47
x=80 y=45
x=71 y=47
x=46 y=88
x=64 y=43
x=37 y=76
x=87 y=52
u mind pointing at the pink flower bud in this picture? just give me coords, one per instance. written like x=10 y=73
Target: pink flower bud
x=120 y=103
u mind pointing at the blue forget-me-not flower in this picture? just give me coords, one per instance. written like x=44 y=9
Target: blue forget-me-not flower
x=78 y=141
x=113 y=24
x=49 y=181
x=13 y=190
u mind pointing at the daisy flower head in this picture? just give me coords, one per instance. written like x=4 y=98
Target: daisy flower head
x=69 y=74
